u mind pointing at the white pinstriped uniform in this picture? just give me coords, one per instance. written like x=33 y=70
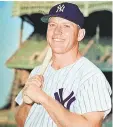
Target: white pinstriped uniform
x=84 y=84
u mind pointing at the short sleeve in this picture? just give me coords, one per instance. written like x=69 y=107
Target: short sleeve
x=19 y=99
x=94 y=95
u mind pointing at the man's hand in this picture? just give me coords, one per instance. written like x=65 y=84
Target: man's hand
x=33 y=88
x=37 y=80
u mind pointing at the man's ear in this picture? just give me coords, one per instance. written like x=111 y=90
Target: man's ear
x=81 y=34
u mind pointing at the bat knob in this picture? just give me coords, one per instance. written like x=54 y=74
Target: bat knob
x=27 y=100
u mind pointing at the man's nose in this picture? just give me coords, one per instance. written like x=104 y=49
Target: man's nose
x=58 y=30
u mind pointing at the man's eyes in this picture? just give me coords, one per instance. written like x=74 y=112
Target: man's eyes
x=67 y=26
x=52 y=24
x=62 y=26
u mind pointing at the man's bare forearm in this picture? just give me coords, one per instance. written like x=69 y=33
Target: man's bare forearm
x=62 y=117
x=21 y=114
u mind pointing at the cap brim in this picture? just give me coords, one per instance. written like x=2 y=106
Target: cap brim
x=46 y=17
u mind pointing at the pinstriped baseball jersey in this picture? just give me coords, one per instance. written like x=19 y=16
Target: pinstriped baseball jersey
x=80 y=87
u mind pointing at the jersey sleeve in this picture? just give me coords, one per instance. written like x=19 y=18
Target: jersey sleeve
x=94 y=95
x=19 y=99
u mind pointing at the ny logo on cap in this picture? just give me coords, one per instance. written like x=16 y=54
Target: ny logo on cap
x=60 y=8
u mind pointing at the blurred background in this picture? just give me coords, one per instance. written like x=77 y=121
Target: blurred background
x=23 y=46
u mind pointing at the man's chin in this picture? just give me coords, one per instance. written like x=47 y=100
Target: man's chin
x=58 y=51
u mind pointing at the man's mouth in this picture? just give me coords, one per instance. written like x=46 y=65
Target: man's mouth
x=58 y=40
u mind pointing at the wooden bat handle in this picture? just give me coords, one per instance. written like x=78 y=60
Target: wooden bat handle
x=42 y=70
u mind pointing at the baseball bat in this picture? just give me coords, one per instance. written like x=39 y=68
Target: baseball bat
x=42 y=70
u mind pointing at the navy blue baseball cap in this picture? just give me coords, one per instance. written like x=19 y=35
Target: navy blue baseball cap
x=67 y=11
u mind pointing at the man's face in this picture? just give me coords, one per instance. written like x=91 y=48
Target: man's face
x=62 y=35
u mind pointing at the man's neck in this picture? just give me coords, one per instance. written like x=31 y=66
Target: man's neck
x=62 y=60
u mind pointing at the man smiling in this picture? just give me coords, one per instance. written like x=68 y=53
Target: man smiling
x=75 y=92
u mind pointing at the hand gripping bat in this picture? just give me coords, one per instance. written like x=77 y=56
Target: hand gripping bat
x=44 y=65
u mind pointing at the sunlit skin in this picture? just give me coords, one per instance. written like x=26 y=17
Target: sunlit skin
x=63 y=37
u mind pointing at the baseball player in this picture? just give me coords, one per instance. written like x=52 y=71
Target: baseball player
x=73 y=92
